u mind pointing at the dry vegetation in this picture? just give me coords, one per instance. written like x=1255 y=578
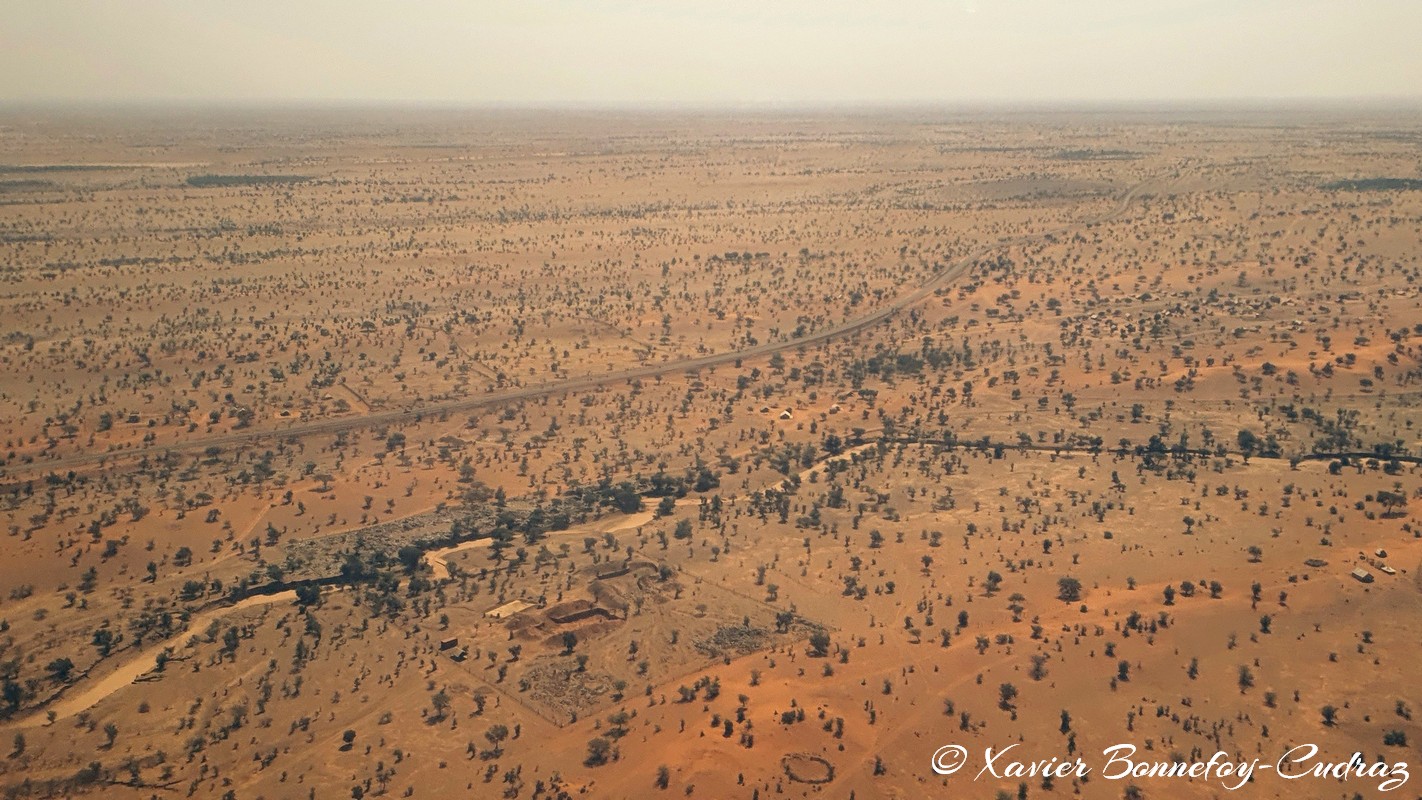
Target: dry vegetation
x=553 y=455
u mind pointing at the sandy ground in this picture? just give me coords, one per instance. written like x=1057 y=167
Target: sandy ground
x=901 y=377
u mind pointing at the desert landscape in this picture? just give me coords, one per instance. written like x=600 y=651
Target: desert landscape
x=555 y=454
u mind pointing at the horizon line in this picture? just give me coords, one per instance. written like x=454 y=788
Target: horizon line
x=1241 y=103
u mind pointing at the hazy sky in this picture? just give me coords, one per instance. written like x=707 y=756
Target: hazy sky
x=545 y=52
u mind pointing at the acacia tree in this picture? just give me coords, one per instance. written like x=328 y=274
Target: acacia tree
x=991 y=583
x=598 y=750
x=1246 y=678
x=60 y=669
x=496 y=734
x=440 y=701
x=1391 y=502
x=1006 y=693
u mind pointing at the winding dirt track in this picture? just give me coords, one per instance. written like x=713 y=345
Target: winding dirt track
x=137 y=665
x=943 y=277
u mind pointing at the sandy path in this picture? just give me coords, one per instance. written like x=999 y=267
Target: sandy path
x=138 y=665
x=438 y=560
x=439 y=566
x=143 y=662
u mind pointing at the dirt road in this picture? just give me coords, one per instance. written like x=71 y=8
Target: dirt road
x=296 y=428
x=137 y=665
